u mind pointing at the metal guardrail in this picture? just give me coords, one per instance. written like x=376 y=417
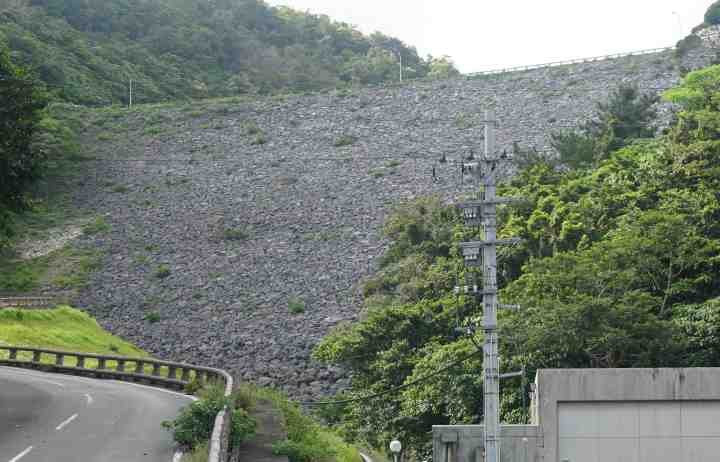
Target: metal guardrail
x=28 y=302
x=131 y=369
x=569 y=61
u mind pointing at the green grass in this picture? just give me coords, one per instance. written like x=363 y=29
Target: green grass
x=162 y=271
x=296 y=305
x=97 y=226
x=345 y=140
x=199 y=454
x=67 y=268
x=235 y=234
x=307 y=439
x=62 y=328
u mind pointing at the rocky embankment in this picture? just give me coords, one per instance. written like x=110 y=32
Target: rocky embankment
x=224 y=214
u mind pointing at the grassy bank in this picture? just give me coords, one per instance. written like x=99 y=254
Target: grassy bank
x=307 y=440
x=63 y=328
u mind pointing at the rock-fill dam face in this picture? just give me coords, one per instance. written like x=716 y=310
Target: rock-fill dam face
x=225 y=215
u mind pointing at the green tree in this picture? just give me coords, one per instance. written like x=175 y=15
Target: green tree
x=626 y=116
x=442 y=68
x=619 y=266
x=20 y=163
x=712 y=15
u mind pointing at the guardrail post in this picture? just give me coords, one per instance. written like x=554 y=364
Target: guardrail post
x=36 y=357
x=13 y=353
x=185 y=377
x=121 y=365
x=59 y=359
x=80 y=362
x=101 y=363
x=172 y=372
x=156 y=369
x=139 y=365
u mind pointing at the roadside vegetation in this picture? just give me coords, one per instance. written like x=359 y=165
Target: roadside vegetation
x=307 y=439
x=62 y=328
x=193 y=428
x=619 y=267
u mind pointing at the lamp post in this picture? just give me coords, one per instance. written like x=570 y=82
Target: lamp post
x=679 y=21
x=395 y=448
x=399 y=55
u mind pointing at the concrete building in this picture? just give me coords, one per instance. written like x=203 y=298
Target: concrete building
x=605 y=415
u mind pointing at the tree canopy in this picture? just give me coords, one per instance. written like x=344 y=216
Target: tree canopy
x=619 y=266
x=87 y=51
x=20 y=162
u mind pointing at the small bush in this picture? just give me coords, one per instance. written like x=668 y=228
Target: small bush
x=194 y=386
x=259 y=140
x=243 y=427
x=152 y=317
x=162 y=272
x=251 y=128
x=199 y=454
x=345 y=140
x=121 y=189
x=193 y=427
x=296 y=305
x=195 y=423
x=234 y=234
x=687 y=44
x=97 y=226
x=302 y=451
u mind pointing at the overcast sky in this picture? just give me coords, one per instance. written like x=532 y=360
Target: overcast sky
x=483 y=34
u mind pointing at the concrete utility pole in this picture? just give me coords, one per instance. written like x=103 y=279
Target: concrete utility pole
x=484 y=213
x=401 y=66
x=131 y=93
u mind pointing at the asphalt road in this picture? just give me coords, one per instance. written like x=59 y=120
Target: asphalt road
x=60 y=418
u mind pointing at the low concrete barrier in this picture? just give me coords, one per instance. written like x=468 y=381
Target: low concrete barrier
x=144 y=370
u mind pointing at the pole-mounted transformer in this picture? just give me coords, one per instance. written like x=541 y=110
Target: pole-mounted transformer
x=482 y=213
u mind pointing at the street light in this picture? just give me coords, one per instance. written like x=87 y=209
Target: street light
x=395 y=448
x=679 y=21
x=399 y=55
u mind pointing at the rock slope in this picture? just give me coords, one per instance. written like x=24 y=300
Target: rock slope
x=228 y=216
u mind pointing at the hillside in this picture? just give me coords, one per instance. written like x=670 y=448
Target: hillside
x=62 y=328
x=87 y=52
x=246 y=224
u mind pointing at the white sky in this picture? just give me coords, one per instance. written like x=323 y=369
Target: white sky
x=483 y=34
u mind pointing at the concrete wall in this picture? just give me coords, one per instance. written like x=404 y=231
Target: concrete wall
x=539 y=441
x=464 y=443
x=607 y=385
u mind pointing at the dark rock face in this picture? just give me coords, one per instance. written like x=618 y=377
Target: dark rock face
x=244 y=227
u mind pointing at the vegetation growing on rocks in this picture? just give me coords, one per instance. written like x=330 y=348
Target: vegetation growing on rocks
x=619 y=267
x=312 y=212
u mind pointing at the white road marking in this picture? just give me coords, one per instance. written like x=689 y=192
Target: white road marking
x=89 y=399
x=21 y=455
x=162 y=390
x=177 y=456
x=35 y=376
x=66 y=421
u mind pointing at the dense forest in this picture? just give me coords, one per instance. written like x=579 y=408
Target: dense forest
x=86 y=52
x=619 y=266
